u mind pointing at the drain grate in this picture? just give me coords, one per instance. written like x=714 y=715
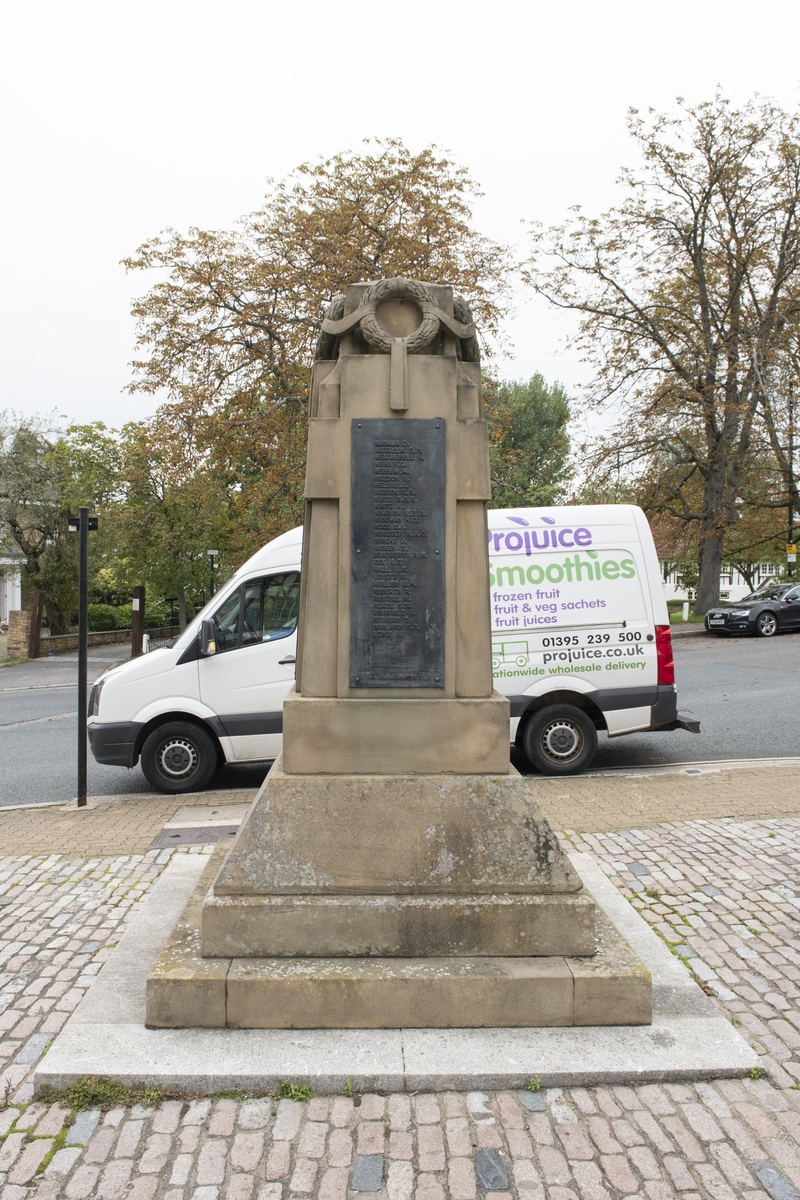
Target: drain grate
x=196 y=835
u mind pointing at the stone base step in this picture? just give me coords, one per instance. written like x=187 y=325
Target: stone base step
x=184 y=989
x=391 y=926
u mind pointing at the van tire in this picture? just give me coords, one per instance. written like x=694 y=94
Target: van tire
x=179 y=757
x=559 y=739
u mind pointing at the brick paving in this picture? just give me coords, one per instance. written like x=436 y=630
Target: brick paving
x=722 y=891
x=619 y=801
x=107 y=825
x=128 y=825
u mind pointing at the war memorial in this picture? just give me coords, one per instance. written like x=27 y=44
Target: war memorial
x=394 y=890
x=394 y=870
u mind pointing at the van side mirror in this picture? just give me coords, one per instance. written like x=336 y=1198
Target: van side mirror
x=208 y=638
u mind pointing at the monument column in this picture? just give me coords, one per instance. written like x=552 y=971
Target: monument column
x=395 y=601
x=394 y=869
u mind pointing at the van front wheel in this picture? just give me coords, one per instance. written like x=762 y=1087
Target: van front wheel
x=560 y=740
x=178 y=757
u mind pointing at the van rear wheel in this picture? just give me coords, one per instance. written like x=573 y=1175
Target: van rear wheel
x=560 y=740
x=179 y=757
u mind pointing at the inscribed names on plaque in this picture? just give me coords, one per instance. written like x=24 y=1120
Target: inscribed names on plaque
x=397 y=524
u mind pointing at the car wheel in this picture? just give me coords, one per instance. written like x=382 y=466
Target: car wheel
x=766 y=624
x=560 y=740
x=179 y=757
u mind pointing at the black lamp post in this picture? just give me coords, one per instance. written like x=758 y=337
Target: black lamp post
x=81 y=525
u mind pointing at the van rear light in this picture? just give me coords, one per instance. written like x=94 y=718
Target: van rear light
x=666 y=662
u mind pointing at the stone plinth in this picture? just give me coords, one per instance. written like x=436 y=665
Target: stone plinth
x=405 y=865
x=331 y=736
x=394 y=835
x=185 y=989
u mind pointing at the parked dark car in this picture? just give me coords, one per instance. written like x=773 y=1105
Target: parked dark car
x=772 y=609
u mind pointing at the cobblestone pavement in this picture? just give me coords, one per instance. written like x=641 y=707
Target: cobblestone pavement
x=722 y=892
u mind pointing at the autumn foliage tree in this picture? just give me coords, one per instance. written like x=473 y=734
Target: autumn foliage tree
x=229 y=331
x=688 y=292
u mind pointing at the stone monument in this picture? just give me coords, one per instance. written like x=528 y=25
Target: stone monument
x=394 y=870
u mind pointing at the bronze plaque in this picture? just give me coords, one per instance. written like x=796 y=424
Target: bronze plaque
x=397 y=525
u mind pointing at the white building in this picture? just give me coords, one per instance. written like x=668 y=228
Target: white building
x=732 y=584
x=10 y=585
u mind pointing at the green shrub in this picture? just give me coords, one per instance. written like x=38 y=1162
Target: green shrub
x=124 y=616
x=158 y=615
x=102 y=617
x=105 y=617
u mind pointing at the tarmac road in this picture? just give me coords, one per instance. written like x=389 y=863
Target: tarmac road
x=745 y=691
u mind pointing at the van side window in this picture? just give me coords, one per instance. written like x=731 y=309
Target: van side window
x=260 y=611
x=270 y=608
x=226 y=622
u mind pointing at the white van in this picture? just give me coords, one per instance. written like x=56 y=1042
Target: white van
x=580 y=643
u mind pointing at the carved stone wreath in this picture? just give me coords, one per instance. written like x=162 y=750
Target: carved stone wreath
x=399 y=289
x=336 y=324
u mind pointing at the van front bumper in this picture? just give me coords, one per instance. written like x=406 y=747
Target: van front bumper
x=114 y=745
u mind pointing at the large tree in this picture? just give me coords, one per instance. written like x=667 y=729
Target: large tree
x=230 y=328
x=687 y=293
x=30 y=498
x=528 y=442
x=46 y=474
x=174 y=510
x=241 y=310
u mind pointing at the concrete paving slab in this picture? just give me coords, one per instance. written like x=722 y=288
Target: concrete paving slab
x=196 y=816
x=689 y=1037
x=671 y=1048
x=711 y=767
x=202 y=1061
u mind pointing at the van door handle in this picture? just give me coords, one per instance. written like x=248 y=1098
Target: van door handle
x=284 y=662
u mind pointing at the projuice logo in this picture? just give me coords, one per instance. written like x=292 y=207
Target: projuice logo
x=539 y=539
x=574 y=569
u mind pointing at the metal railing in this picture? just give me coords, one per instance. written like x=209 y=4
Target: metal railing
x=154 y=639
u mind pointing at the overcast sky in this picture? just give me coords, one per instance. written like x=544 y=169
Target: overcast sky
x=120 y=119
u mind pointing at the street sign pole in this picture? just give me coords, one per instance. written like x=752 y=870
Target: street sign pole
x=81 y=525
x=83 y=651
